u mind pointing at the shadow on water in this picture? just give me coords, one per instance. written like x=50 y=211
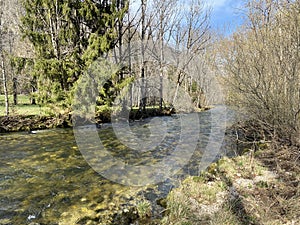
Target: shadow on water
x=45 y=179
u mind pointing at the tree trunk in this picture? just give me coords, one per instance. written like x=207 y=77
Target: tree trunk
x=143 y=31
x=161 y=93
x=15 y=91
x=161 y=37
x=175 y=96
x=2 y=60
x=4 y=85
x=33 y=90
x=120 y=6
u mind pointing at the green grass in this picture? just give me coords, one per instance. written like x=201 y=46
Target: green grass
x=23 y=108
x=22 y=99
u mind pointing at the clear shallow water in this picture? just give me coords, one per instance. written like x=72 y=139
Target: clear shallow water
x=44 y=178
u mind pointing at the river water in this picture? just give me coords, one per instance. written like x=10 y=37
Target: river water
x=45 y=178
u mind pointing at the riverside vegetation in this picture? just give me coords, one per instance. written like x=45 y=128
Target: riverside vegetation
x=47 y=46
x=253 y=188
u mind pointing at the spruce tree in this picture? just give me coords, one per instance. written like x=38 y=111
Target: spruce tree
x=67 y=36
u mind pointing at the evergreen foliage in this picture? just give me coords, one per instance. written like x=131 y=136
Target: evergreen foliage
x=67 y=36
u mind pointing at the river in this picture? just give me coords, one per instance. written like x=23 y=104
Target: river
x=45 y=178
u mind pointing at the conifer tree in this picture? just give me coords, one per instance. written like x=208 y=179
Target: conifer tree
x=67 y=35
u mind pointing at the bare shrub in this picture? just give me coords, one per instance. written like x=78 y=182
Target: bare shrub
x=262 y=67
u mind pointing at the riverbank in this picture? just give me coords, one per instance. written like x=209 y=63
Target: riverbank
x=255 y=188
x=30 y=123
x=17 y=123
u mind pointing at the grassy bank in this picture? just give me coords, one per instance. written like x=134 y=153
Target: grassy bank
x=260 y=188
x=25 y=117
x=23 y=107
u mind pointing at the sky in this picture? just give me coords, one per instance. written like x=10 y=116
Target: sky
x=226 y=14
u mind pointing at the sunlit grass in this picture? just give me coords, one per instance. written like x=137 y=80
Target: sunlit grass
x=24 y=107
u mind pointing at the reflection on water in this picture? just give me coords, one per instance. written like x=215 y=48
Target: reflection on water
x=44 y=178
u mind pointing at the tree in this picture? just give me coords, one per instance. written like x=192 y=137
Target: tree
x=167 y=29
x=3 y=30
x=190 y=36
x=16 y=50
x=263 y=65
x=67 y=37
x=165 y=16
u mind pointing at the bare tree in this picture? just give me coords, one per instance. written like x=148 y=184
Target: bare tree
x=2 y=55
x=263 y=64
x=191 y=36
x=166 y=13
x=169 y=28
x=14 y=48
x=143 y=38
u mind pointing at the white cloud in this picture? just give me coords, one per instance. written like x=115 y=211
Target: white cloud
x=217 y=3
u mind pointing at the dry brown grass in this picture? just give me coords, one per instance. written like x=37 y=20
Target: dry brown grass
x=241 y=190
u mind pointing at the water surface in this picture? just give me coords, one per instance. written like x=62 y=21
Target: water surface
x=45 y=179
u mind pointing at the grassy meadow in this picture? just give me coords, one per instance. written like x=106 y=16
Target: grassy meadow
x=23 y=108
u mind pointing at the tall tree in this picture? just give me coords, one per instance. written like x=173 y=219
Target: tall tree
x=3 y=30
x=143 y=39
x=172 y=28
x=67 y=37
x=166 y=14
x=190 y=36
x=10 y=22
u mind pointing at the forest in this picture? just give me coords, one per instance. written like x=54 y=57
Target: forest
x=60 y=41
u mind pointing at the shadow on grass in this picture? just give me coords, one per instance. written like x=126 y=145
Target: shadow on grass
x=237 y=207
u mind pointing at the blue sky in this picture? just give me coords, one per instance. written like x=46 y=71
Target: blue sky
x=226 y=14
